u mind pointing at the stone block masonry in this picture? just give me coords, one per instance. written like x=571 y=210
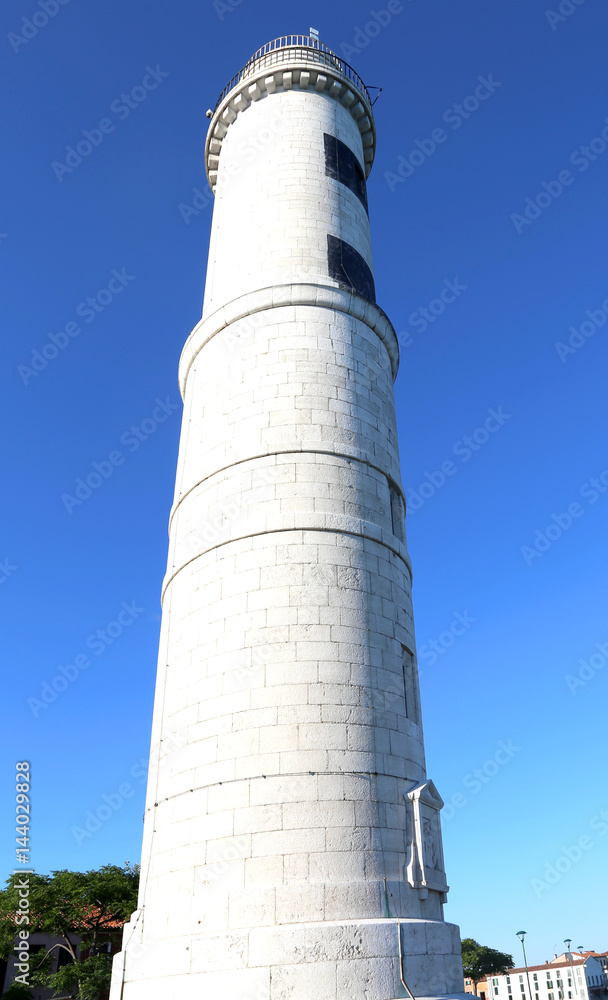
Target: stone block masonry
x=292 y=845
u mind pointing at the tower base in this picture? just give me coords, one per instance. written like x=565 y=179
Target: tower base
x=347 y=959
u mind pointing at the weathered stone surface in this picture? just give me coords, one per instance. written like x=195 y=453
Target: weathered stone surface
x=291 y=837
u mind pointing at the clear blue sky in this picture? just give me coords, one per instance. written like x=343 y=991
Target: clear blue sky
x=503 y=679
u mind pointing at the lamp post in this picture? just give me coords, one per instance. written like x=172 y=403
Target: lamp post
x=521 y=935
x=568 y=943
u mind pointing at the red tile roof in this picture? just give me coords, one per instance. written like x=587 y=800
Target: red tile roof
x=576 y=960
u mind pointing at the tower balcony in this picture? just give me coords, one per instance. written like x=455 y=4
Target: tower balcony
x=299 y=62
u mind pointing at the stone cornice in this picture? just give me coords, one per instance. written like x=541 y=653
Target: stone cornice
x=292 y=74
x=293 y=522
x=276 y=296
x=340 y=456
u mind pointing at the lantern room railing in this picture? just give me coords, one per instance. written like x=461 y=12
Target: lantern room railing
x=287 y=48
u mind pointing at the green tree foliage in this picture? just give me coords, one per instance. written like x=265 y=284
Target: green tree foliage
x=17 y=992
x=479 y=961
x=86 y=907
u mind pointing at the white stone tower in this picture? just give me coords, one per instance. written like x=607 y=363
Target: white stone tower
x=292 y=843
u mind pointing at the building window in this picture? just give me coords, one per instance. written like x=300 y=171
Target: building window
x=342 y=164
x=397 y=519
x=63 y=958
x=522 y=987
x=347 y=266
x=410 y=685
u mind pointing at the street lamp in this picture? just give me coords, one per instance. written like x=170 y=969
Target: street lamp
x=568 y=943
x=521 y=935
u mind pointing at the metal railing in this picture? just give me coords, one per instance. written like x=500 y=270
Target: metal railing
x=304 y=48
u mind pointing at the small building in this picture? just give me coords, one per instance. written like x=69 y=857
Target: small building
x=483 y=988
x=40 y=943
x=575 y=977
x=601 y=956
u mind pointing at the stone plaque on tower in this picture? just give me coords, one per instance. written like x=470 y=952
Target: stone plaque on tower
x=292 y=841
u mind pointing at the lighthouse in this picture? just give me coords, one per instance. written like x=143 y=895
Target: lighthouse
x=292 y=842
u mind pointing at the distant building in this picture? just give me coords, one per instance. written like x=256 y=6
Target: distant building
x=576 y=977
x=41 y=943
x=483 y=989
x=602 y=957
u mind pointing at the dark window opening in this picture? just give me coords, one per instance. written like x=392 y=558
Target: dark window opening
x=63 y=958
x=410 y=686
x=347 y=266
x=342 y=164
x=397 y=514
